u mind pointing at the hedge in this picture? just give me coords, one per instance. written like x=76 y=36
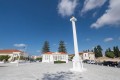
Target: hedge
x=59 y=61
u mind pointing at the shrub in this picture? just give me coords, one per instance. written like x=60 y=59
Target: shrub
x=22 y=58
x=110 y=54
x=4 y=57
x=59 y=61
x=39 y=59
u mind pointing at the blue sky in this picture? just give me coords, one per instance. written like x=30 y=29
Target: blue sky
x=31 y=22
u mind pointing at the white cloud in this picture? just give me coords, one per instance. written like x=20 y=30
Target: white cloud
x=108 y=39
x=92 y=4
x=111 y=16
x=67 y=7
x=20 y=45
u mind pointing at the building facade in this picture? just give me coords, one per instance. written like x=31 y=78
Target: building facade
x=84 y=56
x=50 y=57
x=12 y=53
x=87 y=55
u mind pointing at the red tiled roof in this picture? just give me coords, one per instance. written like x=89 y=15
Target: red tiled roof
x=62 y=52
x=71 y=54
x=48 y=53
x=9 y=51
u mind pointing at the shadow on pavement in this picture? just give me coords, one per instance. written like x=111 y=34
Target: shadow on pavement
x=59 y=76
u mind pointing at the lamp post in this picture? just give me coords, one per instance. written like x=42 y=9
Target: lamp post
x=77 y=61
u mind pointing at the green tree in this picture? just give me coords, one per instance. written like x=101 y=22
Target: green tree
x=98 y=51
x=109 y=49
x=4 y=57
x=62 y=47
x=46 y=47
x=39 y=59
x=95 y=51
x=116 y=51
x=92 y=51
x=106 y=52
x=110 y=54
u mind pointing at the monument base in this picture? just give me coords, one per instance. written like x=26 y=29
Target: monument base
x=77 y=65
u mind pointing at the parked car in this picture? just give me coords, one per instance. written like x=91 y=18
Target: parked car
x=86 y=61
x=92 y=62
x=118 y=65
x=110 y=63
x=89 y=61
x=99 y=63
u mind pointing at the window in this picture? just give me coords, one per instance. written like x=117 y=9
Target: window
x=85 y=55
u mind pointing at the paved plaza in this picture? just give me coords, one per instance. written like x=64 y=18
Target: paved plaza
x=45 y=71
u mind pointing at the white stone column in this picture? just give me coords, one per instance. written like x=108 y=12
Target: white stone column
x=77 y=62
x=73 y=20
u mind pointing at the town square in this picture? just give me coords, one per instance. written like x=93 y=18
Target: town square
x=59 y=39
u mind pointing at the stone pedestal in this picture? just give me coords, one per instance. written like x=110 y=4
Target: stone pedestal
x=77 y=65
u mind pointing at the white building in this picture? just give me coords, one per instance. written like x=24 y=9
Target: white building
x=84 y=56
x=50 y=57
x=12 y=53
x=87 y=55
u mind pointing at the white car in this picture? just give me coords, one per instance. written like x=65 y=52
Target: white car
x=91 y=62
